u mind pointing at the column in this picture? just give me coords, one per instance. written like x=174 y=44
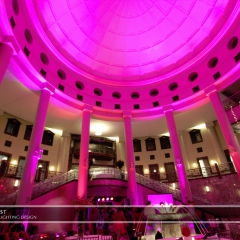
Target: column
x=34 y=150
x=184 y=152
x=228 y=133
x=84 y=154
x=121 y=149
x=132 y=184
x=63 y=156
x=215 y=141
x=182 y=176
x=6 y=52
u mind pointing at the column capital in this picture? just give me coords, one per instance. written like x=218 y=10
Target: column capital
x=127 y=114
x=210 y=90
x=209 y=124
x=10 y=40
x=88 y=108
x=47 y=86
x=167 y=108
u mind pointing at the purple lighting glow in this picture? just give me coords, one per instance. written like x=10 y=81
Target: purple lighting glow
x=123 y=39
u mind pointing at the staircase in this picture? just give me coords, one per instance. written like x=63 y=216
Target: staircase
x=61 y=179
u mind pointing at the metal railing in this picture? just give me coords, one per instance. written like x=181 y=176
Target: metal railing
x=154 y=182
x=195 y=173
x=105 y=172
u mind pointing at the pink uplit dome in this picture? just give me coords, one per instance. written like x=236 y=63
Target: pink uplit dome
x=128 y=40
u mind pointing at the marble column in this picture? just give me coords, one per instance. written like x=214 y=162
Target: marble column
x=216 y=143
x=84 y=153
x=132 y=184
x=226 y=127
x=184 y=152
x=63 y=155
x=6 y=52
x=34 y=150
x=181 y=172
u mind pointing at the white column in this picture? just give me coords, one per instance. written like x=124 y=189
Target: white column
x=63 y=156
x=34 y=150
x=84 y=154
x=216 y=143
x=181 y=172
x=226 y=127
x=183 y=148
x=132 y=184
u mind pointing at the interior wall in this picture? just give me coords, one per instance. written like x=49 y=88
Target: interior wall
x=19 y=143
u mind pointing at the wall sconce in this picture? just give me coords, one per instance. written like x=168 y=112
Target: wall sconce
x=14 y=162
x=51 y=168
x=162 y=169
x=213 y=162
x=207 y=189
x=146 y=171
x=174 y=185
x=16 y=183
x=194 y=165
x=38 y=153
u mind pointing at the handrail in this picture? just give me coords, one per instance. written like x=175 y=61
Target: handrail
x=164 y=188
x=156 y=184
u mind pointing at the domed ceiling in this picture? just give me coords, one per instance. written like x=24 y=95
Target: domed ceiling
x=128 y=40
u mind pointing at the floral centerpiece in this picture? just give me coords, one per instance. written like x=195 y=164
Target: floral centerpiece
x=80 y=203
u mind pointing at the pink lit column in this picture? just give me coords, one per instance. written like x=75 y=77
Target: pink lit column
x=84 y=154
x=182 y=176
x=34 y=150
x=132 y=185
x=6 y=52
x=226 y=128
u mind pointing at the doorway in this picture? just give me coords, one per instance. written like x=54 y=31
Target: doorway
x=205 y=167
x=4 y=162
x=230 y=162
x=42 y=170
x=21 y=163
x=139 y=169
x=154 y=171
x=170 y=171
